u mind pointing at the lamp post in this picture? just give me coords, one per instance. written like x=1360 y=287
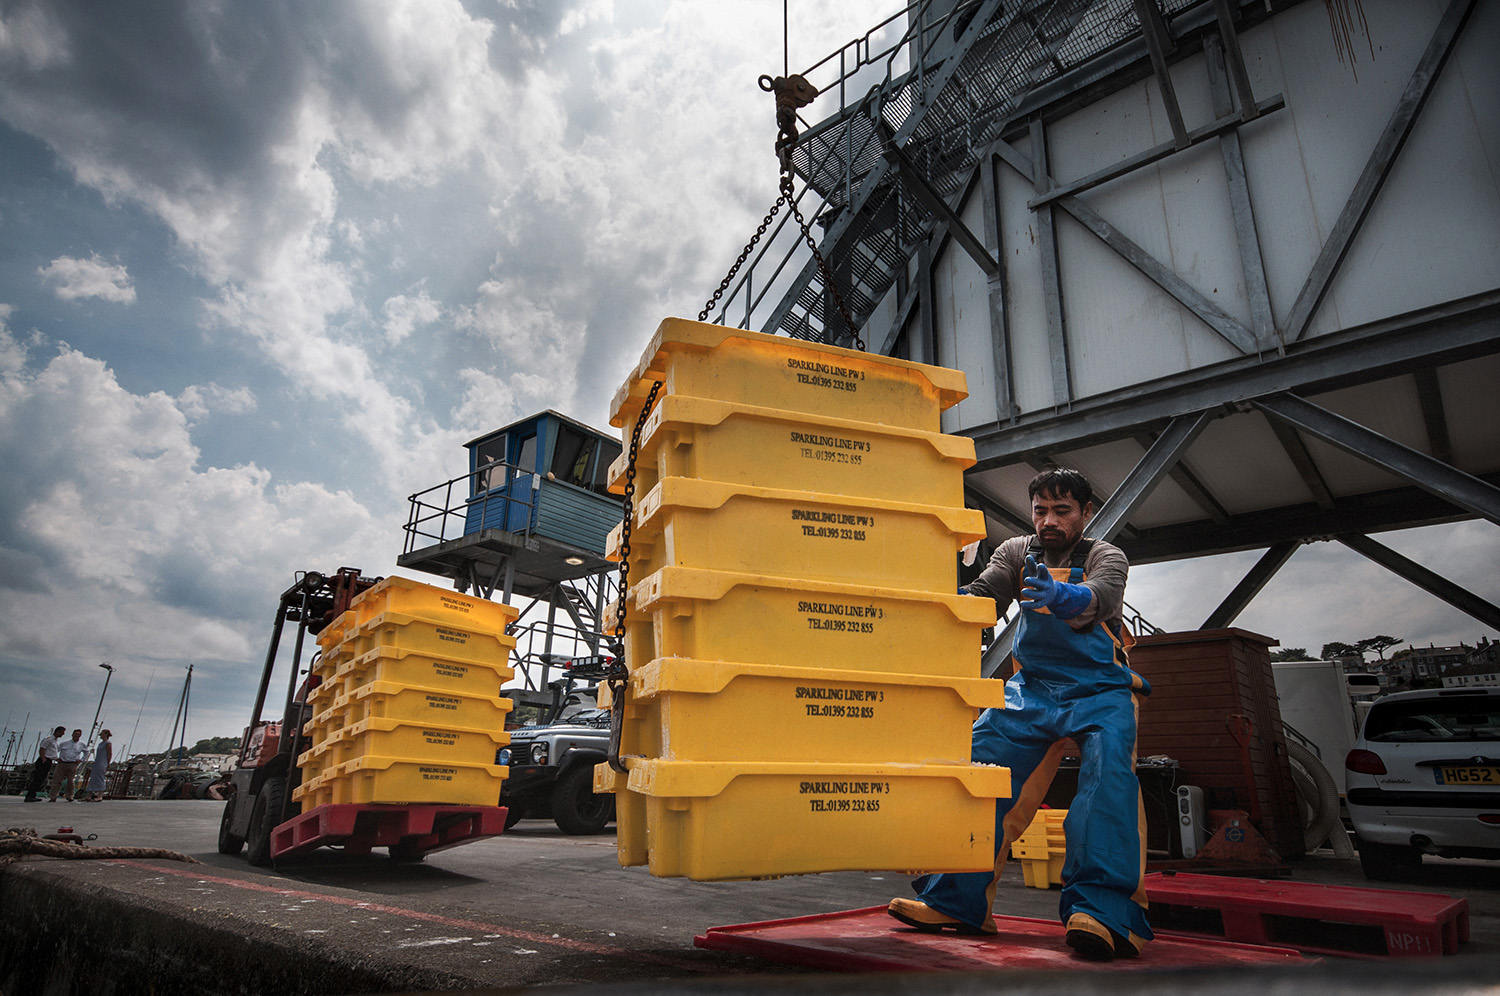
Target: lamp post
x=109 y=673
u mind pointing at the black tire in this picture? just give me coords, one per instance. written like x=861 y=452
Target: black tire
x=263 y=820
x=229 y=843
x=1387 y=862
x=514 y=815
x=575 y=807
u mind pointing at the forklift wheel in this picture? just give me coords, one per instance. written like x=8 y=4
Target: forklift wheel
x=263 y=820
x=229 y=843
x=513 y=815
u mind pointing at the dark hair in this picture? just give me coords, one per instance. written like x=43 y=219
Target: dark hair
x=1061 y=482
x=60 y=729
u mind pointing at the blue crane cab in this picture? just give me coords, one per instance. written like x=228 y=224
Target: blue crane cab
x=535 y=502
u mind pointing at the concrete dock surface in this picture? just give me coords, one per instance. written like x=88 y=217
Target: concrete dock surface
x=532 y=908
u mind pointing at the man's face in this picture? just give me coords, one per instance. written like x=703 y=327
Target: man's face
x=1059 y=521
x=77 y=734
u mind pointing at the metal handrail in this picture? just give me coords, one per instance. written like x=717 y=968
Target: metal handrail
x=424 y=510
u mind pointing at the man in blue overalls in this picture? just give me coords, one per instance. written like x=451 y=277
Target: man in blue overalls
x=1071 y=681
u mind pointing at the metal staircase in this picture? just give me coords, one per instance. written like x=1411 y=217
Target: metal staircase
x=874 y=167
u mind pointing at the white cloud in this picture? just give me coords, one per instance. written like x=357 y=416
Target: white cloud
x=71 y=279
x=404 y=315
x=198 y=400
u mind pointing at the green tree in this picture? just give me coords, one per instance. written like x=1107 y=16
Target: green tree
x=1379 y=644
x=215 y=745
x=1335 y=650
x=1290 y=654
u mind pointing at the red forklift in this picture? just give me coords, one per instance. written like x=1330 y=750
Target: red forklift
x=260 y=815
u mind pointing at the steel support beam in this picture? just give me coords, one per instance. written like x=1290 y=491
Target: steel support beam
x=1158 y=43
x=1230 y=39
x=1434 y=415
x=925 y=350
x=1000 y=354
x=1250 y=585
x=1190 y=485
x=1461 y=599
x=1302 y=459
x=1463 y=490
x=1252 y=262
x=1377 y=168
x=1444 y=333
x=1046 y=224
x=933 y=201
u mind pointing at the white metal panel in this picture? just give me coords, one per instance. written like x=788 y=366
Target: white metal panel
x=1471 y=397
x=1107 y=465
x=1389 y=407
x=1006 y=486
x=1030 y=354
x=1433 y=233
x=1239 y=461
x=964 y=332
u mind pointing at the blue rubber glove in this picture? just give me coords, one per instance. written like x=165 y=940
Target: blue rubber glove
x=1041 y=591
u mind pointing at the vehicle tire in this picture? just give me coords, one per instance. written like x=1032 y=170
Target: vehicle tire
x=576 y=809
x=405 y=853
x=513 y=815
x=263 y=820
x=229 y=843
x=1386 y=862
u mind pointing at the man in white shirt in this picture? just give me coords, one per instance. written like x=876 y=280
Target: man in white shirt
x=69 y=754
x=46 y=756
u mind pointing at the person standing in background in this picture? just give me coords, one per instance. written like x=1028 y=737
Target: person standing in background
x=46 y=756
x=98 y=775
x=69 y=754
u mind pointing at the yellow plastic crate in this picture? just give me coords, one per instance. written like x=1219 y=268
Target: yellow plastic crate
x=429 y=602
x=688 y=710
x=1042 y=873
x=373 y=779
x=767 y=447
x=714 y=361
x=333 y=634
x=797 y=534
x=721 y=616
x=421 y=742
x=411 y=704
x=330 y=688
x=408 y=667
x=710 y=821
x=312 y=793
x=414 y=634
x=321 y=758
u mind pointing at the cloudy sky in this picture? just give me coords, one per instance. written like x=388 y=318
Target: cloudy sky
x=264 y=267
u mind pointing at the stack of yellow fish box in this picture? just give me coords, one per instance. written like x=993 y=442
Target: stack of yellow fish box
x=408 y=706
x=803 y=674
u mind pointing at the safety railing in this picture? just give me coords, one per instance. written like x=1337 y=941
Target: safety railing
x=444 y=511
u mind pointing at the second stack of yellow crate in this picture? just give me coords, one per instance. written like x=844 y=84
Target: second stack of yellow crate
x=409 y=707
x=804 y=675
x=1042 y=848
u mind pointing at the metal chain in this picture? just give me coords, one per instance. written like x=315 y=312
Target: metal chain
x=619 y=673
x=744 y=255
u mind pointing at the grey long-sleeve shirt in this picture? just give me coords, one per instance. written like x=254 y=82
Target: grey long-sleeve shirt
x=1106 y=569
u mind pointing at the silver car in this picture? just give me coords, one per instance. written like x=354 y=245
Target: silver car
x=1424 y=778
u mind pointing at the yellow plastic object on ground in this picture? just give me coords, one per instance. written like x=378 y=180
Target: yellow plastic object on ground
x=434 y=604
x=763 y=447
x=714 y=361
x=373 y=779
x=779 y=622
x=710 y=821
x=798 y=534
x=1041 y=849
x=710 y=711
x=410 y=704
x=420 y=741
x=408 y=667
x=401 y=631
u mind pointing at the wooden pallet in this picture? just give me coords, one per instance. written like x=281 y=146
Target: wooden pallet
x=1325 y=919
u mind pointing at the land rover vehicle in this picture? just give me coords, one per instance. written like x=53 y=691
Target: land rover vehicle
x=1424 y=778
x=552 y=762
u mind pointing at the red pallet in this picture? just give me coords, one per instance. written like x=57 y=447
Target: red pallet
x=868 y=940
x=358 y=828
x=1327 y=919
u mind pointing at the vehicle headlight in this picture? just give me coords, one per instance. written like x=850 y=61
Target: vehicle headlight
x=502 y=756
x=539 y=753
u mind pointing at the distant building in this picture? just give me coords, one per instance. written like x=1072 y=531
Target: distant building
x=1480 y=668
x=1431 y=661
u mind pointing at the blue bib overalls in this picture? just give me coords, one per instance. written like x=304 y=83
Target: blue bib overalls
x=1076 y=685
